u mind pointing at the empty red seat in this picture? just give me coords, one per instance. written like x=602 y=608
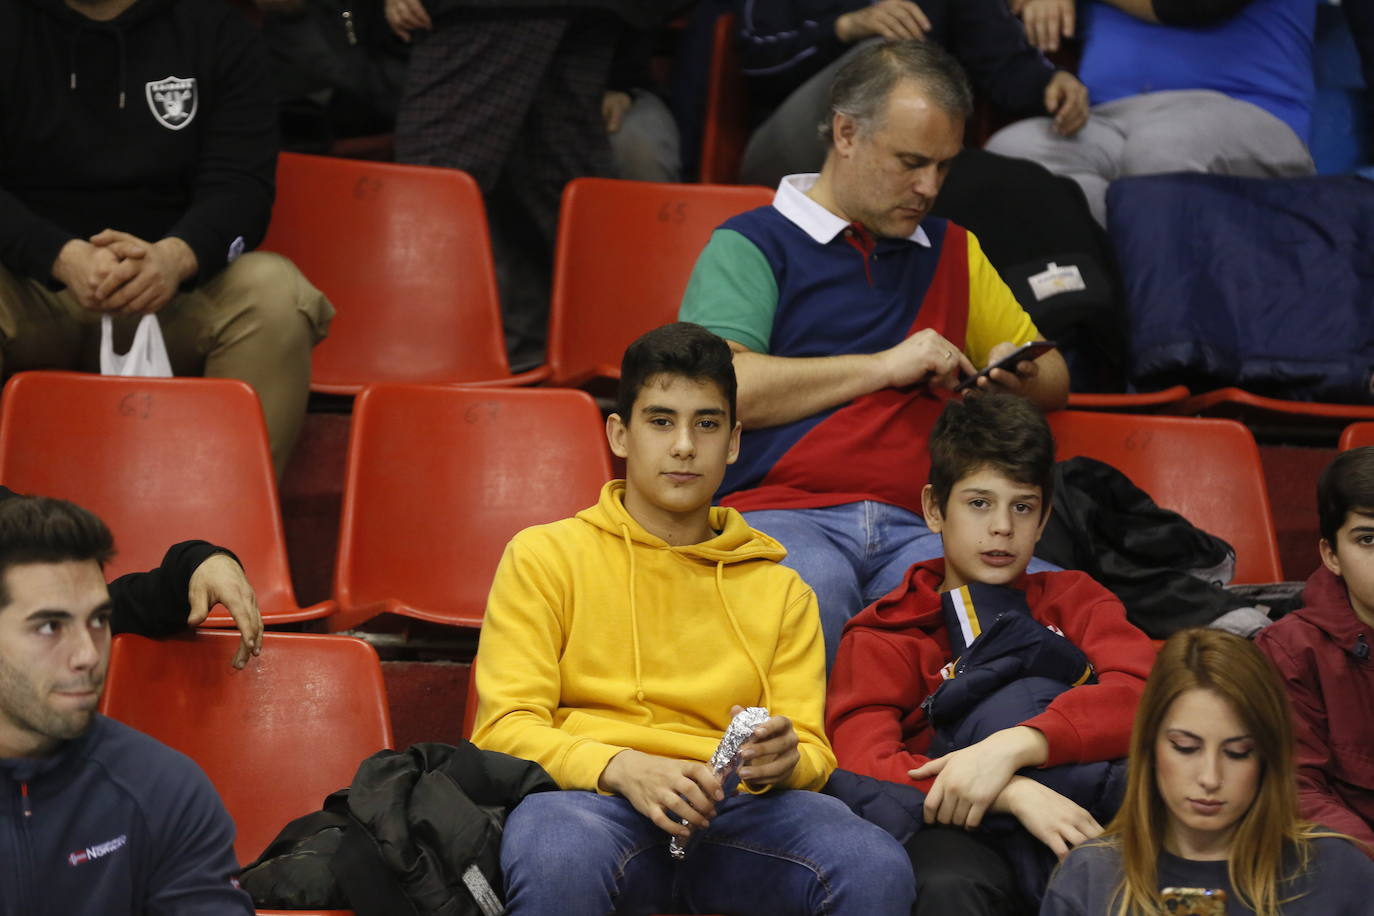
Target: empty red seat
x=441 y=477
x=1253 y=409
x=275 y=738
x=625 y=252
x=725 y=133
x=1356 y=435
x=403 y=253
x=1146 y=401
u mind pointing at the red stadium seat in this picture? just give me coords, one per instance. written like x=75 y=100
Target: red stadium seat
x=161 y=461
x=725 y=133
x=1145 y=402
x=441 y=477
x=274 y=738
x=1357 y=435
x=1255 y=410
x=1207 y=470
x=625 y=252
x=403 y=253
x=470 y=703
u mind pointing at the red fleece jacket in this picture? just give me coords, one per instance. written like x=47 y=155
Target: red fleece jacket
x=1331 y=687
x=891 y=654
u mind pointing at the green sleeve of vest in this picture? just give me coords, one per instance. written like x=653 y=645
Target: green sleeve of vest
x=732 y=291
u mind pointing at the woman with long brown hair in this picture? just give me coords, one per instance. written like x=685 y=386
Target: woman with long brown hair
x=1210 y=819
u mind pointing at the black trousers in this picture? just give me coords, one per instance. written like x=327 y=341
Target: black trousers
x=958 y=872
x=514 y=99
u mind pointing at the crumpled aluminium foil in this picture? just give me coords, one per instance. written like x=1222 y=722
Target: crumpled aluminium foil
x=725 y=761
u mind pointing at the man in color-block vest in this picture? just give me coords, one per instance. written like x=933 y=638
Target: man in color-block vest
x=852 y=313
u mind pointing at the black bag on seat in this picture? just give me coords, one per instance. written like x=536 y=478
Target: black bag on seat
x=418 y=832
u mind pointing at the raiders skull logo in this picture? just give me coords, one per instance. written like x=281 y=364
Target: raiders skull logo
x=173 y=101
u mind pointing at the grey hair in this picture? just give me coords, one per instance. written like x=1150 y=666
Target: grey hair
x=863 y=84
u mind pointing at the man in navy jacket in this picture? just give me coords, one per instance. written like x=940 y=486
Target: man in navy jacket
x=137 y=156
x=95 y=818
x=792 y=49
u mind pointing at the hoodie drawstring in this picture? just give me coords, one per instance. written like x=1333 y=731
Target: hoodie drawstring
x=71 y=62
x=123 y=65
x=123 y=61
x=634 y=613
x=739 y=634
x=729 y=615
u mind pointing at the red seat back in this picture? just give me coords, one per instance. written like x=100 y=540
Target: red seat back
x=274 y=738
x=160 y=461
x=440 y=478
x=402 y=252
x=1209 y=471
x=1356 y=435
x=625 y=252
x=725 y=133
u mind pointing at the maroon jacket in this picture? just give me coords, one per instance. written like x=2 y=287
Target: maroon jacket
x=1323 y=652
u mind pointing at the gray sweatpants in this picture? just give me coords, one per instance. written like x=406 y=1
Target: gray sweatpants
x=789 y=142
x=1194 y=130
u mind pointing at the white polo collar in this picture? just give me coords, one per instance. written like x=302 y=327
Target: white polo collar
x=815 y=220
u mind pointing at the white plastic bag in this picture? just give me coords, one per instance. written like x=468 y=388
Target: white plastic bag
x=147 y=357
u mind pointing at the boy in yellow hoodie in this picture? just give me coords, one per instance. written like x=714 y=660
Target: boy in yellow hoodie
x=616 y=647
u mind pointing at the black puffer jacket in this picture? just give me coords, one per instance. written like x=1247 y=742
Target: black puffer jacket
x=418 y=832
x=1166 y=571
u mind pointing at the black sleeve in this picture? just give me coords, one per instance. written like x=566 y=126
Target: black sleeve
x=156 y=603
x=1002 y=65
x=630 y=61
x=1196 y=12
x=29 y=244
x=231 y=194
x=1359 y=15
x=783 y=43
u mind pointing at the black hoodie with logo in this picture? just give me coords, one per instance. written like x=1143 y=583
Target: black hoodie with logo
x=160 y=122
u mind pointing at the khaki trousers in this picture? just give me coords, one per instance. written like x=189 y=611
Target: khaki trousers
x=256 y=321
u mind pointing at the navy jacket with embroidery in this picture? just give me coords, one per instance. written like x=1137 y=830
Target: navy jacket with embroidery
x=783 y=43
x=115 y=823
x=160 y=122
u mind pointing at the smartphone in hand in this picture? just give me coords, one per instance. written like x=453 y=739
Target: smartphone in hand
x=1030 y=352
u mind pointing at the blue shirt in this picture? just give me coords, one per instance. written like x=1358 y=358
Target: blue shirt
x=1262 y=55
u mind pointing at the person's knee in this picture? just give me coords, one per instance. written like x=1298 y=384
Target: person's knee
x=857 y=850
x=271 y=295
x=1162 y=148
x=1029 y=138
x=955 y=872
x=859 y=846
x=1220 y=136
x=555 y=837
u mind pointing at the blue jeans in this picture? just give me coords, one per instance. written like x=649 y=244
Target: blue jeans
x=788 y=852
x=851 y=555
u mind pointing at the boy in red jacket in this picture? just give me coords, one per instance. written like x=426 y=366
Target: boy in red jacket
x=1322 y=651
x=991 y=479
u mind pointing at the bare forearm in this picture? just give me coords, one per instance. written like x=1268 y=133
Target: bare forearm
x=774 y=390
x=1049 y=390
x=1140 y=9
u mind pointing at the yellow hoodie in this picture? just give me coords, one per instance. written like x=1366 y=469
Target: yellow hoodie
x=600 y=637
